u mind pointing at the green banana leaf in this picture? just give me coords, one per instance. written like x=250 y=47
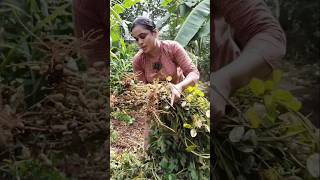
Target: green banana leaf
x=193 y=23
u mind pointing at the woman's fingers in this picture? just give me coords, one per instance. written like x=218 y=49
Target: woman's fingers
x=175 y=93
x=218 y=104
x=219 y=92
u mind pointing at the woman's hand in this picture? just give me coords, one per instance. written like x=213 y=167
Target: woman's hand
x=176 y=90
x=220 y=89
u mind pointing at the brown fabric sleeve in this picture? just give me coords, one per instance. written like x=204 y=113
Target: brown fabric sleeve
x=255 y=29
x=138 y=68
x=183 y=61
x=91 y=16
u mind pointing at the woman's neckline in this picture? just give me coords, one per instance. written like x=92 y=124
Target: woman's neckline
x=160 y=51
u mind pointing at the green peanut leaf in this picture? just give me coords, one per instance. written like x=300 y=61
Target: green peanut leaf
x=236 y=134
x=186 y=125
x=313 y=165
x=277 y=76
x=268 y=101
x=282 y=95
x=191 y=148
x=253 y=117
x=269 y=85
x=294 y=104
x=257 y=86
x=172 y=177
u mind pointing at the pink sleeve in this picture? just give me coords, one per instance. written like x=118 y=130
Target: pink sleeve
x=138 y=68
x=255 y=28
x=184 y=61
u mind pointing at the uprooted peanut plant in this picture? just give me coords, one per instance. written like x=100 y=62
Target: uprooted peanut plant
x=180 y=136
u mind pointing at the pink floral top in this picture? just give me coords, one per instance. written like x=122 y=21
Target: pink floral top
x=174 y=61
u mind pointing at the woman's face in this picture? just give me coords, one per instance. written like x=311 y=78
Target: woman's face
x=145 y=38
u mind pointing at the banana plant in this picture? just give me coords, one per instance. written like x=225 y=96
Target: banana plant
x=194 y=29
x=197 y=21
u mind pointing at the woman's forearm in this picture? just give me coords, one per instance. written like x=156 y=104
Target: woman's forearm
x=191 y=79
x=238 y=73
x=257 y=59
x=242 y=70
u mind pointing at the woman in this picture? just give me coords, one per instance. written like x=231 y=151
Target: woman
x=160 y=59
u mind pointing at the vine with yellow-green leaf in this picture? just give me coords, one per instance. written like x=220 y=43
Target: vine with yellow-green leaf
x=180 y=138
x=265 y=136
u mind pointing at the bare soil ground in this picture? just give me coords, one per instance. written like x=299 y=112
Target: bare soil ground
x=130 y=136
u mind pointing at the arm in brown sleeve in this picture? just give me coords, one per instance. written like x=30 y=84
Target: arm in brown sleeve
x=260 y=37
x=255 y=28
x=190 y=71
x=138 y=69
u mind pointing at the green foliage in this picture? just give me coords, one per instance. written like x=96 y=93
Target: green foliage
x=24 y=21
x=117 y=24
x=165 y=3
x=152 y=7
x=253 y=117
x=273 y=99
x=257 y=86
x=34 y=36
x=270 y=139
x=122 y=116
x=129 y=166
x=120 y=64
x=300 y=20
x=193 y=23
x=33 y=169
x=198 y=52
x=236 y=134
x=179 y=140
x=24 y=26
x=276 y=76
x=189 y=24
x=184 y=151
x=121 y=54
x=313 y=166
x=114 y=135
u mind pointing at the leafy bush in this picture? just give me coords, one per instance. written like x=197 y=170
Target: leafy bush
x=180 y=139
x=122 y=116
x=270 y=139
x=32 y=169
x=114 y=135
x=128 y=165
x=121 y=64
